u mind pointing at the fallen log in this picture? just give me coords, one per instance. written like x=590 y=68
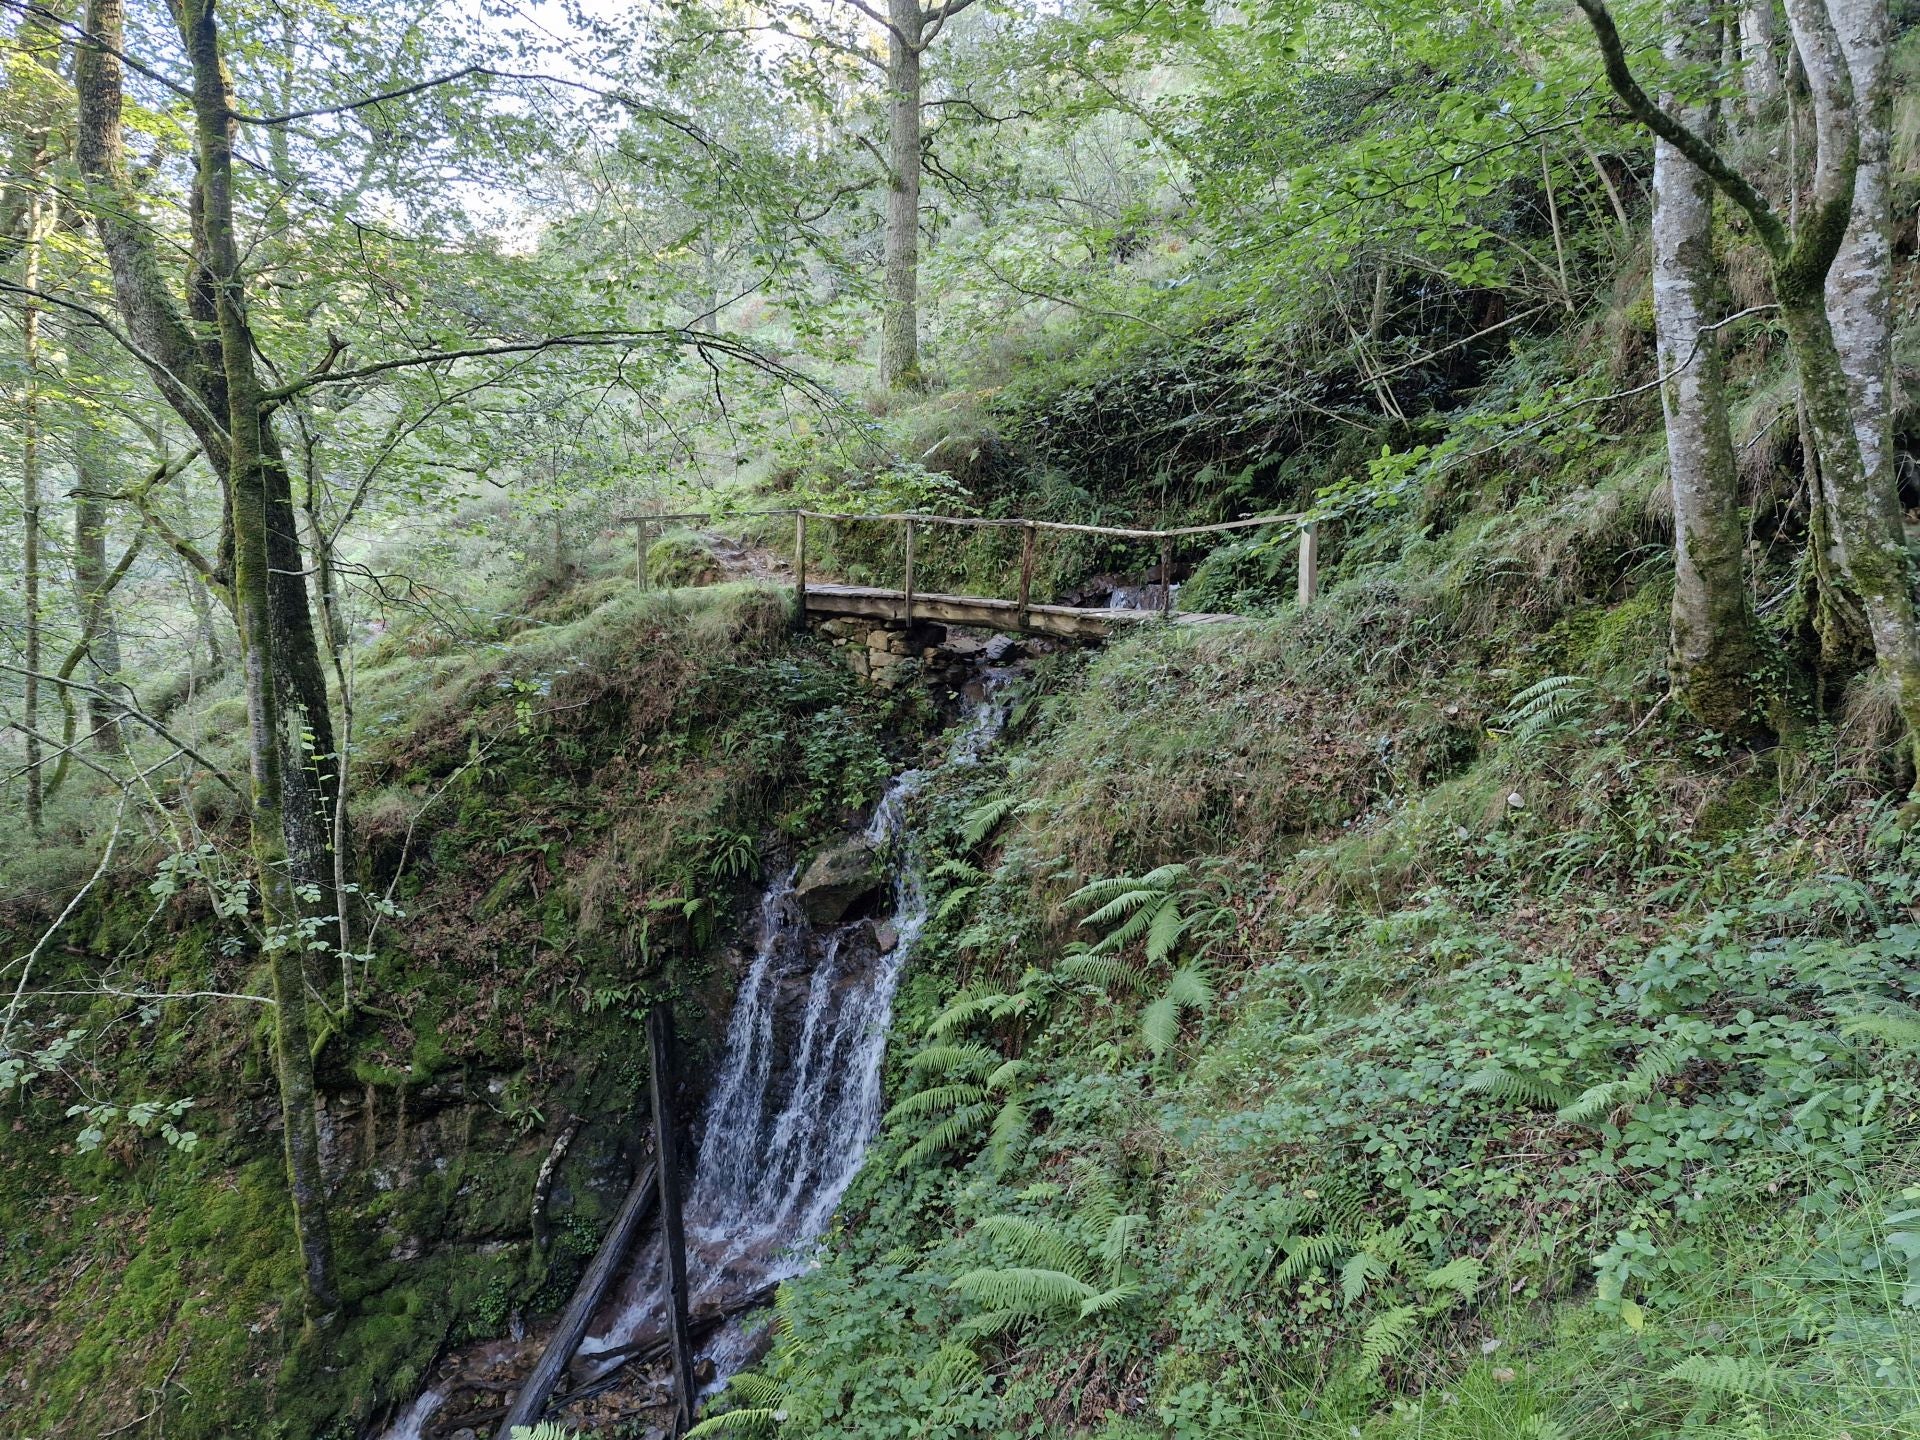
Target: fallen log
x=531 y=1403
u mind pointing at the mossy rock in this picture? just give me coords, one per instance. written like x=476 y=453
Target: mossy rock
x=682 y=557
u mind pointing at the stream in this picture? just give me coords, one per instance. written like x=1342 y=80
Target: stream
x=794 y=1105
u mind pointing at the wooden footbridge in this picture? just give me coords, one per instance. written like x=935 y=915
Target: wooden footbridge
x=1017 y=611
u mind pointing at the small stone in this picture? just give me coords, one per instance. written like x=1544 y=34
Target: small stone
x=879 y=639
x=1504 y=1375
x=1515 y=801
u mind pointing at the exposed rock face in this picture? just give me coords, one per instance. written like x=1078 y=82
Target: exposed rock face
x=838 y=879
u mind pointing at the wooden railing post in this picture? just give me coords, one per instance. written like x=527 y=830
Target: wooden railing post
x=1166 y=578
x=672 y=1229
x=1026 y=573
x=800 y=570
x=640 y=553
x=909 y=585
x=1309 y=563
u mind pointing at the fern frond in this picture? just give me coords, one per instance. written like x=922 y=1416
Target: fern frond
x=1494 y=1078
x=1461 y=1275
x=1104 y=969
x=1121 y=1232
x=1900 y=1031
x=737 y=1422
x=754 y=1389
x=940 y=1100
x=1165 y=930
x=1190 y=987
x=989 y=1324
x=1725 y=1374
x=1166 y=876
x=1126 y=903
x=1027 y=1289
x=1539 y=1427
x=1108 y=1300
x=1387 y=1336
x=964 y=1010
x=985 y=818
x=1160 y=1025
x=1656 y=1065
x=1037 y=1243
x=963 y=1124
x=1007 y=1133
x=953 y=902
x=954 y=1366
x=1303 y=1252
x=1546 y=704
x=971 y=1059
x=1003 y=1075
x=1360 y=1270
x=957 y=870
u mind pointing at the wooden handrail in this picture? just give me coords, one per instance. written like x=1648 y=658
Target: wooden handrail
x=1309 y=542
x=971 y=521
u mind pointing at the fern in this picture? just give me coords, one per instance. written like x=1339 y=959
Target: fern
x=1725 y=1374
x=985 y=818
x=1658 y=1063
x=1495 y=1079
x=1027 y=1289
x=1546 y=705
x=1104 y=969
x=1360 y=1270
x=1386 y=1336
x=545 y=1430
x=940 y=1100
x=1108 y=1300
x=1539 y=1427
x=1461 y=1275
x=971 y=1059
x=1007 y=1133
x=1035 y=1242
x=963 y=1124
x=756 y=1420
x=1304 y=1252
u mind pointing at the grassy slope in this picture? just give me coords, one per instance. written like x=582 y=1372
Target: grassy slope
x=1537 y=1078
x=579 y=800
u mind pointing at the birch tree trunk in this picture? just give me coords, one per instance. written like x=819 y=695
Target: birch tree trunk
x=1713 y=652
x=1837 y=322
x=900 y=314
x=1860 y=284
x=1760 y=58
x=30 y=325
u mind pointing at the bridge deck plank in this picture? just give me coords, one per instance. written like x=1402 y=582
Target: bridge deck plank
x=1074 y=622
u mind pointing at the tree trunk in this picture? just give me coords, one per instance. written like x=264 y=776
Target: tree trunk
x=900 y=316
x=211 y=381
x=1860 y=282
x=98 y=629
x=1714 y=655
x=1759 y=57
x=30 y=323
x=261 y=501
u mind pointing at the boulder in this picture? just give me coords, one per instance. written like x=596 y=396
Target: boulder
x=838 y=879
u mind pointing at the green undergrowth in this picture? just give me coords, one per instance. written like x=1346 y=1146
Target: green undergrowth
x=1386 y=1020
x=565 y=811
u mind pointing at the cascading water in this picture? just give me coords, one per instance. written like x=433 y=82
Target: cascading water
x=797 y=1099
x=798 y=1096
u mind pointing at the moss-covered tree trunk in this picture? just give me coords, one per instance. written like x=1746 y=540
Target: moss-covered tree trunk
x=260 y=498
x=202 y=357
x=1714 y=655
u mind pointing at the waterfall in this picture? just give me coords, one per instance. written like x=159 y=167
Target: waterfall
x=797 y=1098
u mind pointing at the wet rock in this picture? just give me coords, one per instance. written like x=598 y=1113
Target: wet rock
x=1002 y=648
x=837 y=880
x=885 y=936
